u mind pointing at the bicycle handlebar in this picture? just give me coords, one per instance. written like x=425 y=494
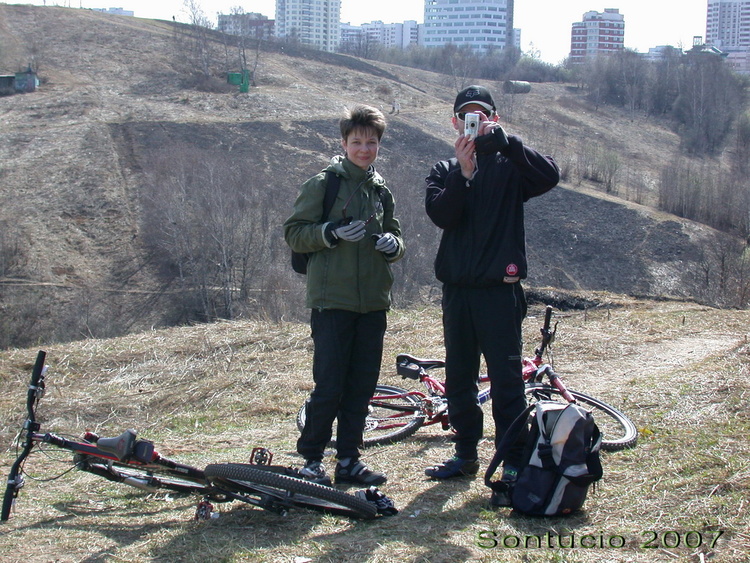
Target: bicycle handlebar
x=547 y=317
x=15 y=478
x=36 y=385
x=547 y=334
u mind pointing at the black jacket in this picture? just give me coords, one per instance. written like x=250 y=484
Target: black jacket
x=483 y=239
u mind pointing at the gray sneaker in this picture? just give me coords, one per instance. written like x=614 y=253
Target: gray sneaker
x=315 y=471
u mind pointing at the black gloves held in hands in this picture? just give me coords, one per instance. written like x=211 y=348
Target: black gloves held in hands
x=354 y=231
x=345 y=229
x=495 y=141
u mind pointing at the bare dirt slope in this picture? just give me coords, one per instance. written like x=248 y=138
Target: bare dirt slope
x=75 y=158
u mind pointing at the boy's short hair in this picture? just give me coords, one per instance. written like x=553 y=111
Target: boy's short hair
x=362 y=117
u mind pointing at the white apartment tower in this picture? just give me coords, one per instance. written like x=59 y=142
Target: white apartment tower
x=479 y=24
x=728 y=29
x=598 y=34
x=311 y=22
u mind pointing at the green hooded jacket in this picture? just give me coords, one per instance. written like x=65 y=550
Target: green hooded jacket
x=352 y=276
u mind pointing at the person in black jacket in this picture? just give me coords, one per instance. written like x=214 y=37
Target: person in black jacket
x=477 y=199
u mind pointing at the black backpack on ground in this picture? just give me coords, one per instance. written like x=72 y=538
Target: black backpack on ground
x=299 y=259
x=560 y=459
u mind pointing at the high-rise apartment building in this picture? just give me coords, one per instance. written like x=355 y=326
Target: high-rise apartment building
x=728 y=29
x=479 y=24
x=598 y=34
x=392 y=34
x=250 y=25
x=311 y=22
x=357 y=39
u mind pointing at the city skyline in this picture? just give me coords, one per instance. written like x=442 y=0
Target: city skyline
x=647 y=23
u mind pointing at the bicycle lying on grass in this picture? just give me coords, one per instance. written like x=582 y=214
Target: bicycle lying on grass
x=396 y=413
x=132 y=461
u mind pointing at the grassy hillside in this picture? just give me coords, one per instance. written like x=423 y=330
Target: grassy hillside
x=211 y=393
x=118 y=121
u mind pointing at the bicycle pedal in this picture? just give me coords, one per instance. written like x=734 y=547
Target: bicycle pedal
x=204 y=511
x=261 y=456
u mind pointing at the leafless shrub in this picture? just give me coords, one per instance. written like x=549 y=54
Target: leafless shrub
x=210 y=228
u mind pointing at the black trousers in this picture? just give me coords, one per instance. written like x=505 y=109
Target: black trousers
x=346 y=365
x=483 y=321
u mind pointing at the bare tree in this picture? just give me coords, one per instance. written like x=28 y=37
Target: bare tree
x=199 y=44
x=209 y=228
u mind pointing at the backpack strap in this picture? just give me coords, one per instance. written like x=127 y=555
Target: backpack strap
x=333 y=182
x=509 y=439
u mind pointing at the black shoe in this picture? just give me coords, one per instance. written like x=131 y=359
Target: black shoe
x=454 y=467
x=501 y=497
x=315 y=471
x=357 y=472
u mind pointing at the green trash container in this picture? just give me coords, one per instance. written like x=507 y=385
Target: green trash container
x=245 y=82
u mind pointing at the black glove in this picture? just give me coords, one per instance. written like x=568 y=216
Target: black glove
x=496 y=141
x=345 y=229
x=385 y=505
x=501 y=137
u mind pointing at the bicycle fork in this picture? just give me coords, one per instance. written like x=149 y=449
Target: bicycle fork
x=555 y=380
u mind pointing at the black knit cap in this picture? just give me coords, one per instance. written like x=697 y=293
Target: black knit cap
x=474 y=95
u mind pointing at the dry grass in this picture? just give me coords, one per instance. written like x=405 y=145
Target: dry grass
x=210 y=393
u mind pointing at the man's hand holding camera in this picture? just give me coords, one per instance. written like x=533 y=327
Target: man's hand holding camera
x=477 y=131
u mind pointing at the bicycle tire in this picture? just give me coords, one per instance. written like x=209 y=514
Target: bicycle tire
x=388 y=420
x=289 y=491
x=615 y=424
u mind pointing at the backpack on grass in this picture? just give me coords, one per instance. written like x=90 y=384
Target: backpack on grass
x=560 y=459
x=333 y=182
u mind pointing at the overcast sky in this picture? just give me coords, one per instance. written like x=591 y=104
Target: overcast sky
x=544 y=24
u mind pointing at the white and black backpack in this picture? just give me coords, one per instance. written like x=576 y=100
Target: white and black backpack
x=560 y=459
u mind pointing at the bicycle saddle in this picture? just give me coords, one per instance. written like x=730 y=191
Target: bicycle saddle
x=121 y=446
x=409 y=366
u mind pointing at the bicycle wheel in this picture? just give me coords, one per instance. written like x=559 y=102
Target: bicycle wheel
x=286 y=491
x=618 y=431
x=394 y=414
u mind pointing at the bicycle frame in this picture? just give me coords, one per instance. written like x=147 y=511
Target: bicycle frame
x=533 y=371
x=132 y=461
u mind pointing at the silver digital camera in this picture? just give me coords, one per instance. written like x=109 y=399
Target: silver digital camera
x=471 y=125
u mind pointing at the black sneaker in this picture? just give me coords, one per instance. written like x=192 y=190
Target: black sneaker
x=454 y=467
x=501 y=497
x=315 y=471
x=357 y=472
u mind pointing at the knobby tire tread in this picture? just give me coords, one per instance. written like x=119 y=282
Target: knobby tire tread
x=243 y=476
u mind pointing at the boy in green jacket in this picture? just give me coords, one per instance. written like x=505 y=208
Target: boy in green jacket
x=348 y=289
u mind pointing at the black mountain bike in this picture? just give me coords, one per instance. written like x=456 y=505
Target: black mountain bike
x=132 y=461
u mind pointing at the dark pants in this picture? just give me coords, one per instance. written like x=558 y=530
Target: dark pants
x=346 y=366
x=484 y=321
